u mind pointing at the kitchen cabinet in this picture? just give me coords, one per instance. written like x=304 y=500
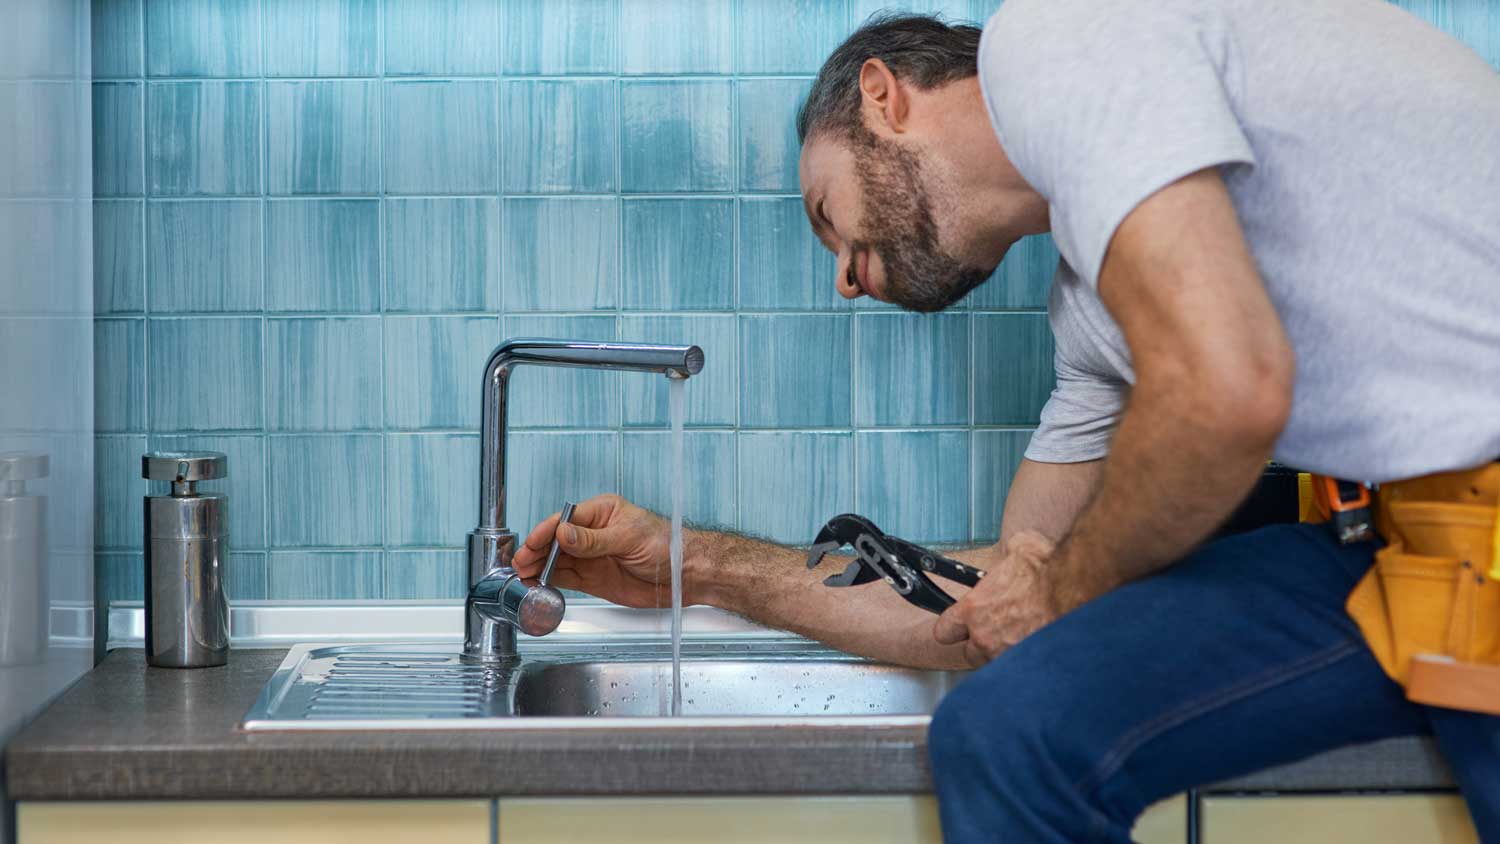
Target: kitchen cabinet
x=867 y=819
x=255 y=822
x=751 y=820
x=1337 y=819
x=563 y=820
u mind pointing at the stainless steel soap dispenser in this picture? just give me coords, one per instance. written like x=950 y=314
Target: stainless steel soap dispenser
x=187 y=613
x=24 y=606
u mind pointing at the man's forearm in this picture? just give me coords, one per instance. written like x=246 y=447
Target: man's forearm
x=1214 y=376
x=1165 y=486
x=772 y=585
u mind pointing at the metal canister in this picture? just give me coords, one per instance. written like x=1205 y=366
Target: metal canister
x=24 y=604
x=187 y=542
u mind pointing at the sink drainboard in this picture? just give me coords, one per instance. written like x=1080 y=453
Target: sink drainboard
x=417 y=686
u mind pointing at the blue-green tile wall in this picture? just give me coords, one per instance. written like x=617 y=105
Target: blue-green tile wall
x=317 y=217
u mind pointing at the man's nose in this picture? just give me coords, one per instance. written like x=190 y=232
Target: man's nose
x=844 y=279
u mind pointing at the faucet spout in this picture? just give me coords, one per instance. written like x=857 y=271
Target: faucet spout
x=491 y=545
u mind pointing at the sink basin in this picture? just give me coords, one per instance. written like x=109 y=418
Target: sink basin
x=614 y=685
x=716 y=686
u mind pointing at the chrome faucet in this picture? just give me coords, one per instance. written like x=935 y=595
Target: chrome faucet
x=499 y=602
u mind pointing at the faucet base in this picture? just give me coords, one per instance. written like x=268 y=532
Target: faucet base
x=488 y=637
x=485 y=638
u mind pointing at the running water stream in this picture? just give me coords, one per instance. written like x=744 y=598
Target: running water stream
x=676 y=395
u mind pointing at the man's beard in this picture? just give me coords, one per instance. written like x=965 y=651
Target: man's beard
x=898 y=225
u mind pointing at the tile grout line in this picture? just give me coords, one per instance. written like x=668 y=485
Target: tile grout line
x=383 y=222
x=267 y=494
x=737 y=133
x=618 y=93
x=502 y=304
x=973 y=435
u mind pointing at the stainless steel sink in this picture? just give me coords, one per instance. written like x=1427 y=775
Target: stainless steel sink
x=606 y=685
x=727 y=686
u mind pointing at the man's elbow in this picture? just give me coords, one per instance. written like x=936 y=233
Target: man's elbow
x=1250 y=404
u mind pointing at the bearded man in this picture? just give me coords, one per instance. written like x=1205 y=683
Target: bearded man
x=1279 y=225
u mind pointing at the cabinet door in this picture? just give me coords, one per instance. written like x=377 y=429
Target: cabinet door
x=751 y=820
x=256 y=822
x=1363 y=819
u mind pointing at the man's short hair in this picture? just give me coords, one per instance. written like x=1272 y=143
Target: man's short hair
x=919 y=49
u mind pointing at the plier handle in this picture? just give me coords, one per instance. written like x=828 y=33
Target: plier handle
x=904 y=565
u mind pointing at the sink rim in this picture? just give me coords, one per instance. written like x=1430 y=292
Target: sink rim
x=261 y=716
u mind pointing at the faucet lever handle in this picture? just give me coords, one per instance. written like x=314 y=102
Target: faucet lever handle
x=566 y=516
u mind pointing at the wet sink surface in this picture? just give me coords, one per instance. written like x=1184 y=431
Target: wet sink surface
x=619 y=686
x=723 y=687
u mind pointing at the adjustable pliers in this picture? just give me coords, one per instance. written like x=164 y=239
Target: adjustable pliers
x=900 y=563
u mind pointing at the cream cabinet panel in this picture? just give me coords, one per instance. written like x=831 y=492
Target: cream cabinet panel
x=724 y=820
x=1164 y=823
x=743 y=820
x=1373 y=819
x=256 y=822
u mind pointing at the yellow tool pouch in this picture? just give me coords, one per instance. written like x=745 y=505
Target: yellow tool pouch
x=1430 y=606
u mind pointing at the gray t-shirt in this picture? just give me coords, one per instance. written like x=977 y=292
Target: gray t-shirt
x=1361 y=148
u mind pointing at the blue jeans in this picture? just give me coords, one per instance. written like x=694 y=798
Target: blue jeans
x=1238 y=658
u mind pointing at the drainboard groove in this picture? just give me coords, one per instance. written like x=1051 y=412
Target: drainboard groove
x=365 y=689
x=406 y=679
x=400 y=660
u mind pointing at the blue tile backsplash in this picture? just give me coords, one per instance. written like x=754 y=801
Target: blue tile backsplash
x=679 y=255
x=441 y=137
x=768 y=146
x=441 y=37
x=323 y=38
x=323 y=255
x=119 y=263
x=315 y=219
x=322 y=137
x=674 y=136
x=322 y=374
x=205 y=255
x=561 y=253
x=203 y=138
x=201 y=38
x=676 y=36
x=560 y=136
x=318 y=217
x=204 y=374
x=117 y=138
x=442 y=254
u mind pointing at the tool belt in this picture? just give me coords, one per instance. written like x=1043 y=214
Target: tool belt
x=1430 y=606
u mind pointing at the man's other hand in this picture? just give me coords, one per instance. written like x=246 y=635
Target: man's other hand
x=611 y=549
x=1011 y=602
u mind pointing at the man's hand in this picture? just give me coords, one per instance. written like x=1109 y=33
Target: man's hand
x=1013 y=601
x=612 y=549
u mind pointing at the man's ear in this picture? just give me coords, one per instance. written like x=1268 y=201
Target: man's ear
x=884 y=102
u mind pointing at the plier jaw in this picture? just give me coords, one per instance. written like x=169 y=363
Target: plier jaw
x=904 y=565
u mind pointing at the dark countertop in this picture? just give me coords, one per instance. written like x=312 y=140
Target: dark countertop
x=128 y=732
